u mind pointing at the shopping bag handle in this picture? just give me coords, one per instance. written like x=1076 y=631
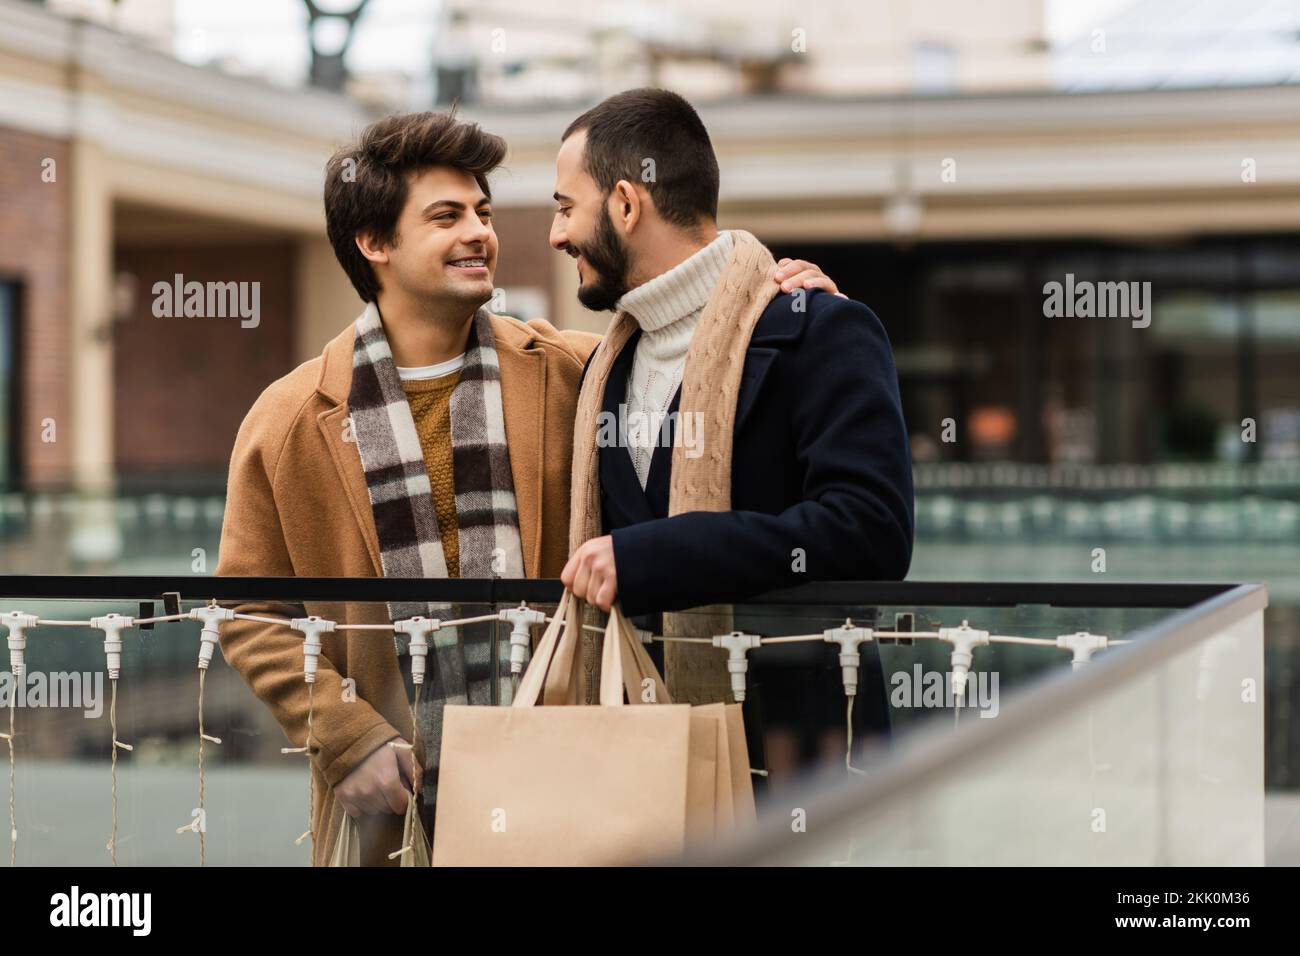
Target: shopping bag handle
x=553 y=673
x=625 y=665
x=564 y=675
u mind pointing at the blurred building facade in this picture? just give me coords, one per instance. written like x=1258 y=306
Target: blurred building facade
x=123 y=168
x=513 y=52
x=947 y=206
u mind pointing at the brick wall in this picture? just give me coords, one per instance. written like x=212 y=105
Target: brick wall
x=184 y=384
x=33 y=253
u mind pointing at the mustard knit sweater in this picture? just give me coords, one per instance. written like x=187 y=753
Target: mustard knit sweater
x=430 y=401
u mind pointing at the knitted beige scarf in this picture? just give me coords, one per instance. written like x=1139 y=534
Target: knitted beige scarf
x=694 y=673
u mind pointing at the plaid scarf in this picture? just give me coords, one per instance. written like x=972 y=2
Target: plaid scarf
x=459 y=665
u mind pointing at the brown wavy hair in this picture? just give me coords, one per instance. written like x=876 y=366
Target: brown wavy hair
x=366 y=184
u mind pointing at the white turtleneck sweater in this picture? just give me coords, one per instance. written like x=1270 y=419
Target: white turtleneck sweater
x=667 y=308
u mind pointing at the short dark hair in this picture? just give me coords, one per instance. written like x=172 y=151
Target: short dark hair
x=366 y=183
x=629 y=127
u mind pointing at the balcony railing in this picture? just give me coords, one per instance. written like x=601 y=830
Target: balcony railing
x=1152 y=751
x=1152 y=754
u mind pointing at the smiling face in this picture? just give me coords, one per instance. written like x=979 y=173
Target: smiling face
x=582 y=228
x=446 y=248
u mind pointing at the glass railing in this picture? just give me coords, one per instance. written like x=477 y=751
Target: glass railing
x=1150 y=754
x=1121 y=759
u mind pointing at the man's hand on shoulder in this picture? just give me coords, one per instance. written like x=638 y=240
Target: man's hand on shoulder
x=800 y=274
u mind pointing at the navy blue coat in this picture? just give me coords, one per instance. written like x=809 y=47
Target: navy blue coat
x=821 y=483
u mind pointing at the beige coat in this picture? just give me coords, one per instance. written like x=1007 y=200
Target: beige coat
x=297 y=505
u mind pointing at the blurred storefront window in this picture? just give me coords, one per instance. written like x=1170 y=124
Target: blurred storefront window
x=1218 y=344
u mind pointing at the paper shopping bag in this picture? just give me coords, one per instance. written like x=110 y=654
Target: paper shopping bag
x=743 y=811
x=347 y=851
x=733 y=806
x=548 y=781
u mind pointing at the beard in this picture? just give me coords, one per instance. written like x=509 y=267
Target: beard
x=608 y=259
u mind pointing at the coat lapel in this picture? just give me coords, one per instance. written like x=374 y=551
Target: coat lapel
x=777 y=328
x=619 y=485
x=523 y=403
x=757 y=363
x=334 y=383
